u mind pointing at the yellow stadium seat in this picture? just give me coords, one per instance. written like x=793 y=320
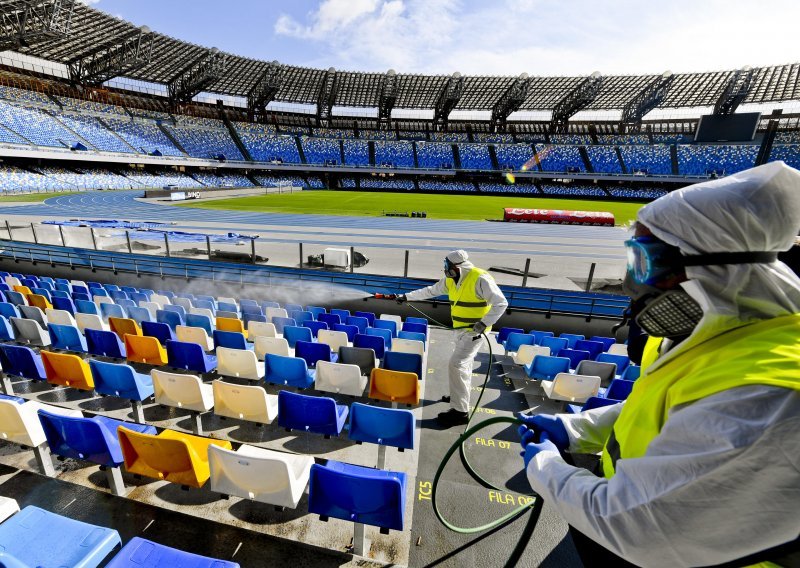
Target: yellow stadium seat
x=144 y=349
x=173 y=456
x=67 y=370
x=394 y=386
x=231 y=324
x=24 y=290
x=39 y=301
x=124 y=326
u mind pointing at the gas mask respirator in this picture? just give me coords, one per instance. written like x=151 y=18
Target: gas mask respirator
x=451 y=270
x=652 y=265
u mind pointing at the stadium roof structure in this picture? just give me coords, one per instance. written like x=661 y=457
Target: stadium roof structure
x=95 y=44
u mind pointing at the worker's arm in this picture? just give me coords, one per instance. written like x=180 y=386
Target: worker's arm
x=588 y=431
x=488 y=290
x=720 y=482
x=432 y=291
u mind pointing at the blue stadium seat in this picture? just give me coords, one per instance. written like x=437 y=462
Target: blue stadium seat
x=180 y=310
x=545 y=368
x=111 y=311
x=504 y=332
x=142 y=553
x=9 y=310
x=317 y=414
x=35 y=537
x=231 y=340
x=15 y=298
x=129 y=290
x=313 y=352
x=343 y=314
x=280 y=323
x=253 y=308
x=389 y=325
x=267 y=304
x=7 y=330
x=42 y=292
x=289 y=371
x=168 y=293
x=330 y=319
x=91 y=439
x=405 y=362
x=80 y=296
x=556 y=344
x=515 y=340
x=358 y=494
x=575 y=356
x=539 y=335
x=300 y=316
x=190 y=357
x=104 y=344
x=247 y=317
x=172 y=319
x=86 y=307
x=414 y=335
x=292 y=308
x=361 y=323
x=415 y=327
x=420 y=321
x=593 y=347
x=205 y=304
x=139 y=315
x=314 y=326
x=383 y=426
x=619 y=389
x=120 y=380
x=227 y=307
x=370 y=316
x=118 y=295
x=66 y=337
x=292 y=334
x=384 y=333
x=632 y=372
x=621 y=361
x=127 y=304
x=160 y=331
x=20 y=361
x=591 y=403
x=606 y=341
x=200 y=320
x=572 y=338
x=138 y=297
x=316 y=311
x=374 y=342
x=350 y=330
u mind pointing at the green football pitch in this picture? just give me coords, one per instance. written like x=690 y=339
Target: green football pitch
x=475 y=207
x=32 y=197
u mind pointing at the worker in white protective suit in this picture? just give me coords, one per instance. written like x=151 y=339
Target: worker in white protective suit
x=475 y=304
x=701 y=464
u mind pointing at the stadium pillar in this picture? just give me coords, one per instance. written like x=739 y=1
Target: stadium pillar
x=61 y=232
x=128 y=239
x=591 y=276
x=405 y=268
x=301 y=254
x=8 y=228
x=35 y=238
x=94 y=237
x=352 y=253
x=525 y=273
x=253 y=250
x=166 y=244
x=208 y=246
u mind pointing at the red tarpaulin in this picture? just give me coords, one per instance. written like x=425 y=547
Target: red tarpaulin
x=558 y=216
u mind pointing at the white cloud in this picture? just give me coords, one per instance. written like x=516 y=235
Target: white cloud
x=508 y=37
x=89 y=2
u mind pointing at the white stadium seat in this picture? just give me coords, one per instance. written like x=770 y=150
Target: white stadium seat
x=245 y=402
x=239 y=363
x=182 y=391
x=340 y=378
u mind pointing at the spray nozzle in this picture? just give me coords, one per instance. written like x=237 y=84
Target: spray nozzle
x=385 y=296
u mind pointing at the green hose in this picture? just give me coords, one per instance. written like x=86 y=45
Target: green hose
x=535 y=506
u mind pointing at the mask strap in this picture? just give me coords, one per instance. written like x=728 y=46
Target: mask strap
x=721 y=258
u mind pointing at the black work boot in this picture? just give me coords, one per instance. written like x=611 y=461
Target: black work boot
x=452 y=418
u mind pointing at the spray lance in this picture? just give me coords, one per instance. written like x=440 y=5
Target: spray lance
x=535 y=507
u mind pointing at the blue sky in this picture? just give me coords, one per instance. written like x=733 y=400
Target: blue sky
x=488 y=37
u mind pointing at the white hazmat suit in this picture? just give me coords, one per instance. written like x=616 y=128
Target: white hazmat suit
x=722 y=479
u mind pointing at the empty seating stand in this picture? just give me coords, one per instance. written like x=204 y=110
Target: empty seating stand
x=91 y=439
x=259 y=474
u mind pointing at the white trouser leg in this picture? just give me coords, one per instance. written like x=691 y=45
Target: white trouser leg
x=460 y=369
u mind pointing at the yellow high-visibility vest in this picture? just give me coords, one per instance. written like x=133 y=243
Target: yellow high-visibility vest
x=763 y=353
x=466 y=308
x=652 y=349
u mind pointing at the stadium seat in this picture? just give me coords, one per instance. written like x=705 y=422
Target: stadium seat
x=244 y=402
x=180 y=305
x=571 y=388
x=262 y=329
x=376 y=343
x=145 y=349
x=123 y=327
x=91 y=439
x=172 y=319
x=526 y=353
x=572 y=338
x=415 y=327
x=227 y=306
x=400 y=345
x=621 y=361
x=274 y=345
x=370 y=317
x=556 y=344
x=405 y=362
x=539 y=335
x=360 y=322
x=575 y=356
x=104 y=344
x=504 y=332
x=65 y=304
x=86 y=307
x=19 y=361
x=362 y=357
x=39 y=301
x=66 y=337
x=189 y=357
x=358 y=494
x=317 y=414
x=182 y=391
x=239 y=363
x=231 y=340
x=160 y=299
x=350 y=330
x=142 y=553
x=197 y=335
x=314 y=326
x=591 y=403
x=273 y=312
x=173 y=456
x=606 y=371
x=394 y=386
x=281 y=322
x=160 y=331
x=316 y=311
x=389 y=325
x=383 y=426
x=201 y=311
x=8 y=310
x=259 y=474
x=313 y=352
x=60 y=317
x=201 y=320
x=151 y=307
x=619 y=390
x=343 y=314
x=618 y=349
x=515 y=340
x=35 y=314
x=413 y=335
x=89 y=321
x=289 y=371
x=340 y=379
x=67 y=370
x=330 y=319
x=335 y=339
x=606 y=341
x=111 y=311
x=16 y=298
x=300 y=316
x=36 y=537
x=120 y=380
x=593 y=347
x=632 y=372
x=293 y=334
x=101 y=297
x=384 y=333
x=545 y=368
x=231 y=324
x=29 y=332
x=7 y=332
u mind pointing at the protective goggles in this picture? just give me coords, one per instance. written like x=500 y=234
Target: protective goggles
x=651 y=260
